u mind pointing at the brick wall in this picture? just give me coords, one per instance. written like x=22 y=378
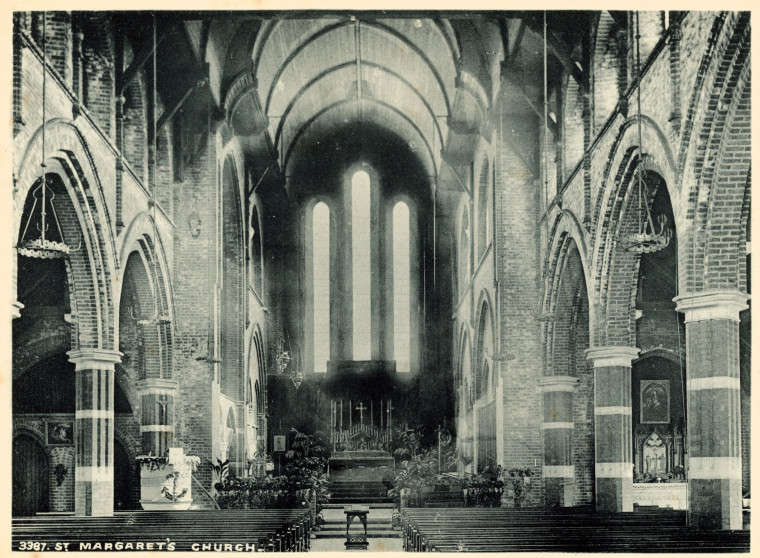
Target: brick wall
x=516 y=208
x=194 y=294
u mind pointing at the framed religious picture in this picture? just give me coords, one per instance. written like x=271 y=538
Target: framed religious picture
x=278 y=443
x=59 y=432
x=655 y=401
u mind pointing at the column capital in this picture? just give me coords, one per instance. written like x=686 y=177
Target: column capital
x=94 y=359
x=16 y=307
x=714 y=304
x=612 y=356
x=161 y=386
x=557 y=383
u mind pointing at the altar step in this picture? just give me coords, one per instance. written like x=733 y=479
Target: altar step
x=358 y=492
x=378 y=523
x=372 y=506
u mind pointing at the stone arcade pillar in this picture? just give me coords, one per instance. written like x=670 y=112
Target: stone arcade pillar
x=157 y=410
x=713 y=407
x=16 y=308
x=94 y=431
x=613 y=429
x=559 y=470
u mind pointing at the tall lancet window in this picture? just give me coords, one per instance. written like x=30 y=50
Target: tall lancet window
x=402 y=325
x=361 y=258
x=321 y=276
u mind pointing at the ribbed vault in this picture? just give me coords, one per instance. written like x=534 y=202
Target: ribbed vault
x=314 y=75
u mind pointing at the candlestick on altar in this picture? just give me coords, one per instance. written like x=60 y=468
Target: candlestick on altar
x=361 y=408
x=341 y=415
x=350 y=414
x=381 y=414
x=371 y=413
x=332 y=422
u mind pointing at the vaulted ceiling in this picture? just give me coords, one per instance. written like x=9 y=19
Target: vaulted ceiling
x=287 y=81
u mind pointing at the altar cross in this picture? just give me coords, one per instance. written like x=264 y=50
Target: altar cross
x=361 y=408
x=162 y=401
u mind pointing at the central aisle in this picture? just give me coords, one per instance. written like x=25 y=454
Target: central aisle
x=379 y=533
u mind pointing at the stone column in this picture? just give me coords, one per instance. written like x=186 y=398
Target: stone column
x=94 y=431
x=713 y=407
x=16 y=308
x=613 y=430
x=157 y=409
x=559 y=470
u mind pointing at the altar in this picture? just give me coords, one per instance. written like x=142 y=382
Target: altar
x=672 y=495
x=359 y=465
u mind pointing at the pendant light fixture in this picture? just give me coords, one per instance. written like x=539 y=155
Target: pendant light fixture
x=647 y=238
x=43 y=247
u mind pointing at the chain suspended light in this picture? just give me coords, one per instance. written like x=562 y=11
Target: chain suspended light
x=159 y=317
x=283 y=355
x=43 y=247
x=647 y=238
x=297 y=378
x=284 y=359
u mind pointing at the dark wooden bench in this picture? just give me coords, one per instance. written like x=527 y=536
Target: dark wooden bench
x=532 y=530
x=216 y=530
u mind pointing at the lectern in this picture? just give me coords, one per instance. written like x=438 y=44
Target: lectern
x=356 y=542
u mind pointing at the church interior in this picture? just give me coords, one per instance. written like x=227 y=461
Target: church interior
x=522 y=236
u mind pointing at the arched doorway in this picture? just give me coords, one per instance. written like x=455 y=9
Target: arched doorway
x=30 y=477
x=124 y=480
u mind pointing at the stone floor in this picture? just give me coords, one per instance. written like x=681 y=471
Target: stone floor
x=333 y=534
x=375 y=545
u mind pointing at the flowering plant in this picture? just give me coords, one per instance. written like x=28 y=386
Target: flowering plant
x=153 y=462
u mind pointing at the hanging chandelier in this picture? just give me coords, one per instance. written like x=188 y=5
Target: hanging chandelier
x=648 y=238
x=43 y=247
x=297 y=378
x=283 y=355
x=283 y=359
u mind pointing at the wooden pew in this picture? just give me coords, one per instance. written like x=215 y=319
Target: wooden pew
x=530 y=530
x=222 y=530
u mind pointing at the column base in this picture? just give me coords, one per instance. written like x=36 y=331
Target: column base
x=614 y=495
x=560 y=492
x=715 y=504
x=16 y=308
x=93 y=498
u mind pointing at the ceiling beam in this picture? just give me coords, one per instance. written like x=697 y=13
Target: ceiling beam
x=170 y=112
x=139 y=60
x=560 y=50
x=620 y=17
x=512 y=52
x=508 y=69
